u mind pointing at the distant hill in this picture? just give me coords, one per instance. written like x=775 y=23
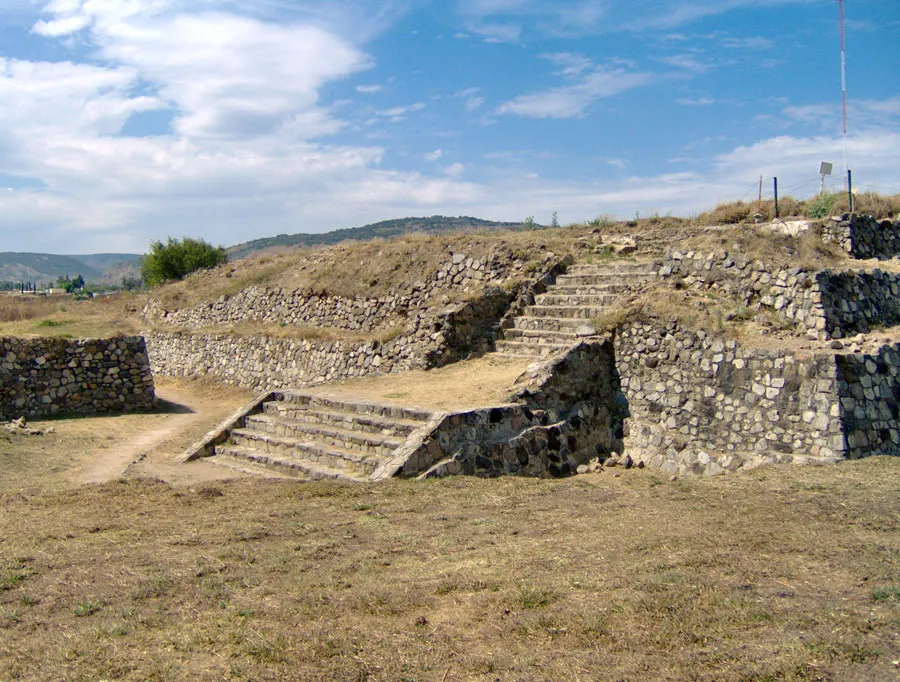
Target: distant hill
x=45 y=267
x=386 y=228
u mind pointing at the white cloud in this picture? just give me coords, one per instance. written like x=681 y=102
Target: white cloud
x=573 y=65
x=435 y=155
x=696 y=101
x=455 y=170
x=369 y=89
x=688 y=62
x=397 y=114
x=752 y=43
x=566 y=18
x=474 y=100
x=568 y=101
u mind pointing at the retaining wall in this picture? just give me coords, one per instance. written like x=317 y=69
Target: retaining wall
x=700 y=403
x=706 y=404
x=46 y=376
x=863 y=236
x=265 y=363
x=824 y=304
x=870 y=401
x=264 y=305
x=566 y=413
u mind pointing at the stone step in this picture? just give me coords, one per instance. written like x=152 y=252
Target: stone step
x=331 y=456
x=248 y=460
x=589 y=289
x=363 y=442
x=631 y=278
x=553 y=324
x=528 y=349
x=541 y=336
x=355 y=421
x=326 y=403
x=613 y=268
x=564 y=311
x=554 y=298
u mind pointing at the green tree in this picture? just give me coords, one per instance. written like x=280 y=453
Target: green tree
x=176 y=258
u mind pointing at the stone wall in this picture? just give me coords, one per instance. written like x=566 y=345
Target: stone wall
x=863 y=236
x=822 y=305
x=46 y=376
x=263 y=305
x=855 y=302
x=870 y=401
x=791 y=292
x=705 y=404
x=566 y=413
x=265 y=363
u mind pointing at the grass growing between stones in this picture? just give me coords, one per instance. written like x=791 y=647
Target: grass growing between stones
x=783 y=573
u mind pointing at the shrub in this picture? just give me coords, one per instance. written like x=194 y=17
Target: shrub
x=177 y=258
x=821 y=206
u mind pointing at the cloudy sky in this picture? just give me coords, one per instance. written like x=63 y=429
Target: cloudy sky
x=123 y=121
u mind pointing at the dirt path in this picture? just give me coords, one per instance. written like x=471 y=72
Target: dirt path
x=187 y=411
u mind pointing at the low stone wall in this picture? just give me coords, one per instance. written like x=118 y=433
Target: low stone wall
x=704 y=404
x=566 y=413
x=430 y=339
x=855 y=302
x=863 y=236
x=265 y=305
x=790 y=292
x=824 y=304
x=869 y=388
x=263 y=363
x=46 y=376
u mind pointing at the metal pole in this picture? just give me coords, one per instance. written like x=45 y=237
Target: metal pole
x=776 y=198
x=850 y=189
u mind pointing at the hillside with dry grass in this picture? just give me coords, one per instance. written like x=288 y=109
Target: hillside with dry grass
x=383 y=266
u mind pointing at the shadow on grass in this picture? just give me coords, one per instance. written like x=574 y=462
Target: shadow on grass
x=162 y=407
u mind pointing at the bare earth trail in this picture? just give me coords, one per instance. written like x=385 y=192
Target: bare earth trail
x=188 y=411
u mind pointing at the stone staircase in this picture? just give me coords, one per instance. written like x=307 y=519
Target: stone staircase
x=562 y=315
x=302 y=435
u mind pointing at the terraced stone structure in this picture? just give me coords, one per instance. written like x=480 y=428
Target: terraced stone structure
x=658 y=394
x=565 y=413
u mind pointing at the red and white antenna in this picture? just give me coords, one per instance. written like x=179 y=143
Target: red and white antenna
x=844 y=82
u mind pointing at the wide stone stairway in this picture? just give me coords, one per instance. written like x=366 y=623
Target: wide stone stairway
x=316 y=437
x=563 y=314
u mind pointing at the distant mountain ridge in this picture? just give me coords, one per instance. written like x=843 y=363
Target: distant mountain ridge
x=46 y=267
x=384 y=229
x=109 y=268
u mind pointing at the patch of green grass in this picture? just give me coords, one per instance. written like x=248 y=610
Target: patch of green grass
x=889 y=593
x=530 y=597
x=87 y=608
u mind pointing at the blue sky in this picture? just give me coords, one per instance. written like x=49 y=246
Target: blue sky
x=123 y=121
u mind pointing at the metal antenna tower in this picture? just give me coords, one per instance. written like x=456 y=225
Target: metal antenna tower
x=844 y=84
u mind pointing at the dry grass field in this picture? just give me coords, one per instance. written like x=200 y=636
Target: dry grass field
x=783 y=573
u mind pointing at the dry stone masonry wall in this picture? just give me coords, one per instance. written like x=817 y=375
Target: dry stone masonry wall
x=863 y=236
x=823 y=305
x=565 y=413
x=43 y=377
x=299 y=308
x=265 y=363
x=705 y=404
x=870 y=401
